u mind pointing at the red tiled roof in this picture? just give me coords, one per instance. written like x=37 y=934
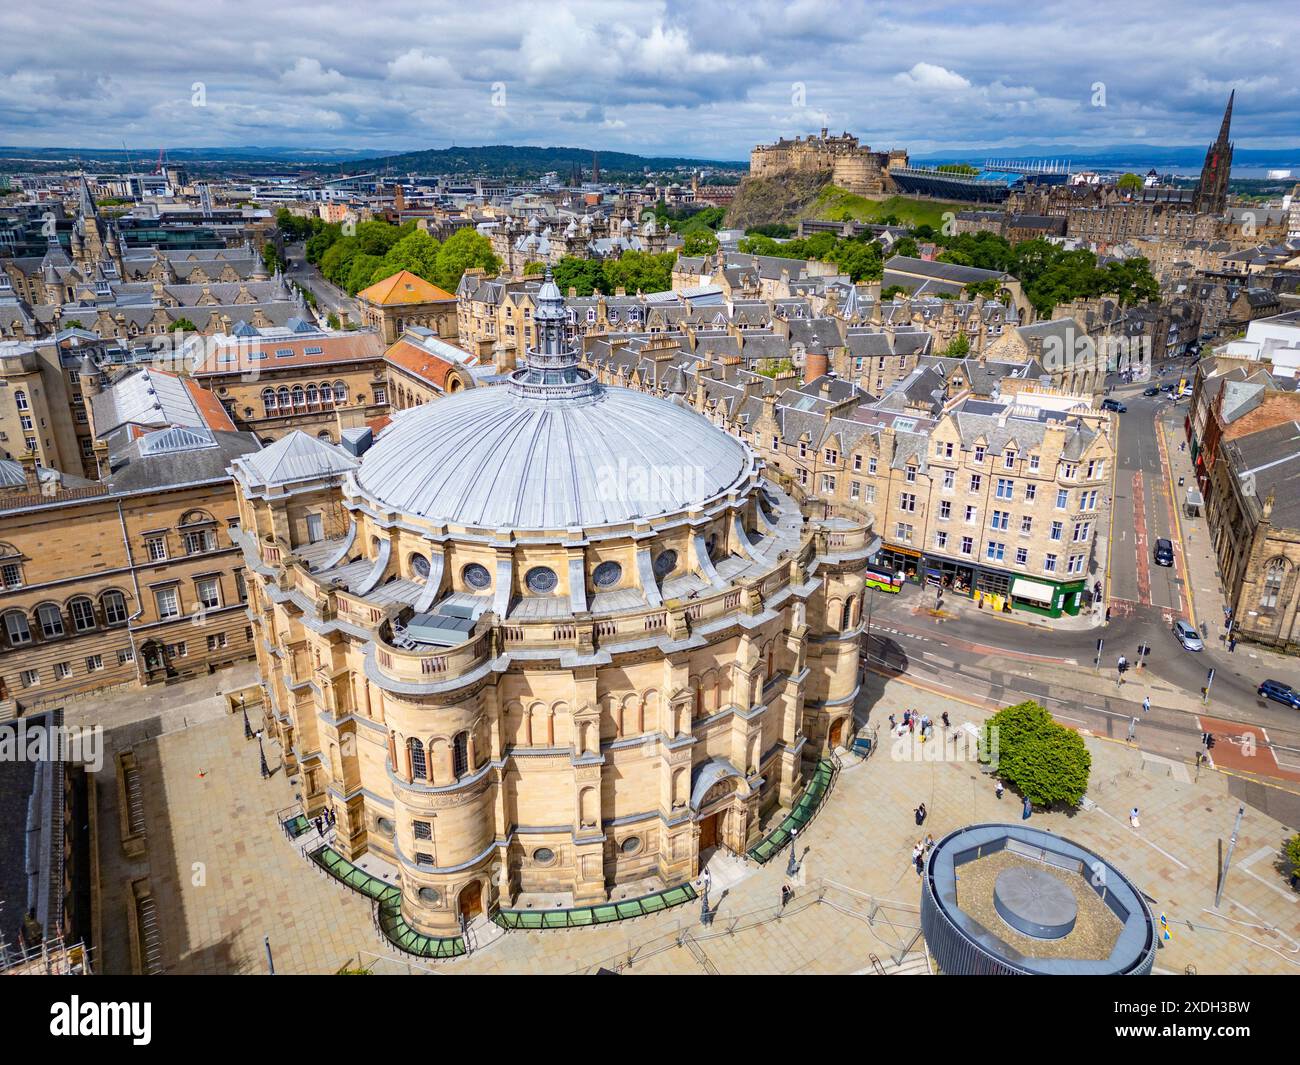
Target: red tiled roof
x=237 y=358
x=422 y=364
x=209 y=407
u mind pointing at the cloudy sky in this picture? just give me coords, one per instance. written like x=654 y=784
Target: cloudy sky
x=708 y=78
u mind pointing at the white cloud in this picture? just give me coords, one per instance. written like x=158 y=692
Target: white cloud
x=930 y=76
x=307 y=75
x=420 y=68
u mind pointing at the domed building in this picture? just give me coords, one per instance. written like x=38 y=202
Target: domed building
x=550 y=636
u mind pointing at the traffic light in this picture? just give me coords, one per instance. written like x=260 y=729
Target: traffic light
x=1210 y=741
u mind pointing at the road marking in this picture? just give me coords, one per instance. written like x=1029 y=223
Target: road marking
x=1263 y=852
x=1145 y=840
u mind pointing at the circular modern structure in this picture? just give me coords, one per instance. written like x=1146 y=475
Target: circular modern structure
x=546 y=638
x=1034 y=902
x=1010 y=900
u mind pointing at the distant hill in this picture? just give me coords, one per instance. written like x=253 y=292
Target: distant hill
x=507 y=160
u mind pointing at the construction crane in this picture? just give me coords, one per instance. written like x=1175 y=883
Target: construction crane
x=162 y=162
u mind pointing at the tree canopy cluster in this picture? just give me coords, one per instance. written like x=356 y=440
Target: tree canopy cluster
x=1044 y=761
x=862 y=259
x=1049 y=274
x=377 y=250
x=633 y=271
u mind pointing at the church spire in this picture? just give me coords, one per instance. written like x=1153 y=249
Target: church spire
x=1212 y=189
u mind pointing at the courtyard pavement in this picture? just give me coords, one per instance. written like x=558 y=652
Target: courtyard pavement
x=225 y=875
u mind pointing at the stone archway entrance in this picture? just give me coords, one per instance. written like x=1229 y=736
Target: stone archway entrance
x=837 y=734
x=469 y=903
x=709 y=832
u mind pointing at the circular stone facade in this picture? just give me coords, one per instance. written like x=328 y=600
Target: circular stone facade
x=963 y=945
x=1035 y=903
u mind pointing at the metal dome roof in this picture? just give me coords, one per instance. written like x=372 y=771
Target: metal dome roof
x=490 y=458
x=552 y=450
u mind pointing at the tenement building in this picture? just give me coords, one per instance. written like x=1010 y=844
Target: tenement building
x=551 y=636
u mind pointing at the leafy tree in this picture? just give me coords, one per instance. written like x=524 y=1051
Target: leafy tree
x=376 y=237
x=73 y=323
x=958 y=347
x=1046 y=762
x=1129 y=183
x=271 y=258
x=416 y=252
x=333 y=320
x=1291 y=852
x=771 y=229
x=534 y=268
x=760 y=245
x=906 y=246
x=699 y=242
x=361 y=272
x=584 y=276
x=892 y=291
x=639 y=271
x=322 y=240
x=184 y=324
x=295 y=226
x=463 y=250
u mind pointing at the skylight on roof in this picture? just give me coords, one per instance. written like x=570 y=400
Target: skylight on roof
x=283 y=353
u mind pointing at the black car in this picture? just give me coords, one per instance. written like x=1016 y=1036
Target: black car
x=1280 y=693
x=1115 y=405
x=1164 y=552
x=1151 y=390
x=1169 y=387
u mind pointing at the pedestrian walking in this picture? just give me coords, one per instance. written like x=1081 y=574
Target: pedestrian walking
x=929 y=843
x=1027 y=810
x=998 y=789
x=1133 y=818
x=946 y=723
x=320 y=827
x=907 y=717
x=911 y=724
x=892 y=723
x=1146 y=704
x=920 y=864
x=786 y=895
x=920 y=814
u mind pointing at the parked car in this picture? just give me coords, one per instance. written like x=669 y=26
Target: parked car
x=1188 y=636
x=1280 y=693
x=1115 y=405
x=1169 y=386
x=1164 y=552
x=1151 y=390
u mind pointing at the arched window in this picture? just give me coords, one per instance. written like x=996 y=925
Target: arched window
x=419 y=770
x=83 y=614
x=1274 y=578
x=340 y=392
x=50 y=619
x=282 y=394
x=17 y=629
x=299 y=397
x=312 y=395
x=326 y=392
x=20 y=398
x=269 y=401
x=114 y=606
x=460 y=755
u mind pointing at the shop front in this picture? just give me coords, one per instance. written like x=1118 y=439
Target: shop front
x=893 y=559
x=951 y=576
x=1048 y=598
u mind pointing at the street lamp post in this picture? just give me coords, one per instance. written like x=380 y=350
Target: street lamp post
x=792 y=866
x=261 y=754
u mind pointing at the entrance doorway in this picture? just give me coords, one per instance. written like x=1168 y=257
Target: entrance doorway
x=837 y=733
x=470 y=900
x=708 y=833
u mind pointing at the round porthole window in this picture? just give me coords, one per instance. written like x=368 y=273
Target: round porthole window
x=631 y=845
x=665 y=563
x=477 y=576
x=420 y=566
x=385 y=826
x=430 y=895
x=541 y=580
x=606 y=575
x=543 y=856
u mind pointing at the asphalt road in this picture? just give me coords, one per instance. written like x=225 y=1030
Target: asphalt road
x=329 y=297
